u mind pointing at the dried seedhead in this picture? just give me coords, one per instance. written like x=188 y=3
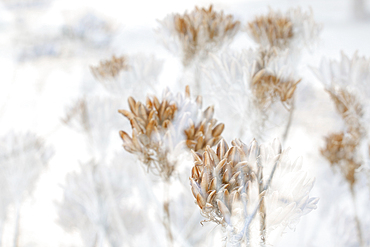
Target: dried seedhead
x=203 y=30
x=245 y=187
x=268 y=88
x=274 y=28
x=281 y=30
x=78 y=112
x=340 y=151
x=109 y=69
x=349 y=108
x=221 y=180
x=160 y=130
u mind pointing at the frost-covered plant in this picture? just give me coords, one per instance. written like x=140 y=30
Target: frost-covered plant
x=347 y=82
x=162 y=133
x=253 y=191
x=249 y=83
x=196 y=34
x=162 y=130
x=292 y=29
x=23 y=157
x=96 y=203
x=129 y=75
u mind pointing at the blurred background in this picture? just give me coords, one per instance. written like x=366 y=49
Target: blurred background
x=48 y=46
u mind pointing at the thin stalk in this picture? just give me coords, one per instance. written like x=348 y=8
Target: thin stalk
x=358 y=224
x=286 y=132
x=245 y=231
x=166 y=212
x=198 y=86
x=262 y=210
x=17 y=223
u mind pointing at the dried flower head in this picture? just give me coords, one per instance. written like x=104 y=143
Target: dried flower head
x=129 y=75
x=249 y=82
x=268 y=88
x=349 y=108
x=276 y=29
x=160 y=129
x=347 y=83
x=341 y=151
x=110 y=68
x=283 y=29
x=200 y=31
x=232 y=185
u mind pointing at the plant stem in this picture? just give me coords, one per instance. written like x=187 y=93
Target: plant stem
x=17 y=221
x=198 y=87
x=358 y=224
x=262 y=210
x=286 y=132
x=166 y=212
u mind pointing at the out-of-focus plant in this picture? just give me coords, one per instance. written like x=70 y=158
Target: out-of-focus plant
x=253 y=191
x=192 y=36
x=96 y=118
x=248 y=84
x=126 y=76
x=260 y=77
x=196 y=34
x=99 y=203
x=293 y=29
x=23 y=157
x=347 y=82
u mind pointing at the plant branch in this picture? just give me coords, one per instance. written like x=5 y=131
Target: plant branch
x=357 y=220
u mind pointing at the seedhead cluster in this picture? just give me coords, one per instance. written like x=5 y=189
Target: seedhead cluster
x=341 y=148
x=340 y=151
x=345 y=82
x=221 y=181
x=281 y=30
x=161 y=130
x=233 y=185
x=201 y=31
x=268 y=88
x=273 y=29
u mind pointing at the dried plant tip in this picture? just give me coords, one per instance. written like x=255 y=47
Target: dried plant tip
x=268 y=88
x=110 y=68
x=276 y=29
x=200 y=31
x=340 y=151
x=162 y=128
